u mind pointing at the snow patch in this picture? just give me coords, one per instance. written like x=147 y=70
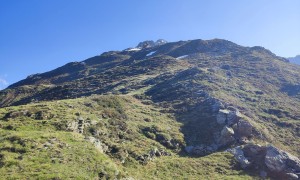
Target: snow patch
x=181 y=57
x=133 y=49
x=151 y=53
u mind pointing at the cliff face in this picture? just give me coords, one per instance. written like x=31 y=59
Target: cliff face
x=188 y=98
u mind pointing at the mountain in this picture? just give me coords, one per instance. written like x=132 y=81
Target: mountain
x=188 y=109
x=295 y=60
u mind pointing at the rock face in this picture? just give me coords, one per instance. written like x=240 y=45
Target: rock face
x=277 y=162
x=148 y=44
x=234 y=128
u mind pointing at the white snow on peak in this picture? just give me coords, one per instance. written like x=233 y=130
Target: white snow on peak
x=181 y=57
x=151 y=53
x=133 y=49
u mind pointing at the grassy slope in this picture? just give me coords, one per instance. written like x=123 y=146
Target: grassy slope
x=42 y=148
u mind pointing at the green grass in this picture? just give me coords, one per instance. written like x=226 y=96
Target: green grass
x=215 y=166
x=43 y=148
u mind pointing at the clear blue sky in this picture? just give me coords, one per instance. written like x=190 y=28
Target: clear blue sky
x=39 y=35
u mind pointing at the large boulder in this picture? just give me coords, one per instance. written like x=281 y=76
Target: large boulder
x=280 y=161
x=228 y=116
x=275 y=159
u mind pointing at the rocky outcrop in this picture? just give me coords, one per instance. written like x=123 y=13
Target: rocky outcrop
x=278 y=161
x=79 y=124
x=98 y=144
x=268 y=159
x=233 y=128
x=144 y=159
x=226 y=137
x=240 y=156
x=149 y=44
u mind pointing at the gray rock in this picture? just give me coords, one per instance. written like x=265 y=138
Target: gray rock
x=275 y=159
x=240 y=156
x=255 y=148
x=160 y=42
x=244 y=128
x=146 y=44
x=293 y=162
x=77 y=126
x=97 y=143
x=233 y=117
x=280 y=161
x=222 y=116
x=226 y=136
x=216 y=105
x=72 y=126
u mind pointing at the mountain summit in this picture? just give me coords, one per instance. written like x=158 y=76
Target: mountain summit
x=186 y=109
x=149 y=44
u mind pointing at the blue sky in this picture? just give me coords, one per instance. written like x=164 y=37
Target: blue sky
x=40 y=35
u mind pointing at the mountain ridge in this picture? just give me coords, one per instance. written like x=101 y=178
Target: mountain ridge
x=219 y=95
x=295 y=59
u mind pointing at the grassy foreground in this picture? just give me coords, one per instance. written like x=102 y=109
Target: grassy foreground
x=35 y=143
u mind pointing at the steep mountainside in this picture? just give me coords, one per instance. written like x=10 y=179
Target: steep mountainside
x=165 y=109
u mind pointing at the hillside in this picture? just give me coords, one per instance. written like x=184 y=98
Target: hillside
x=155 y=111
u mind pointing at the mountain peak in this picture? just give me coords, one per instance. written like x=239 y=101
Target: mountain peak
x=295 y=60
x=151 y=43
